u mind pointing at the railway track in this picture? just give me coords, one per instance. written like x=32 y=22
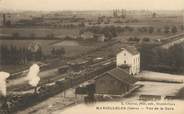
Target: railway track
x=57 y=76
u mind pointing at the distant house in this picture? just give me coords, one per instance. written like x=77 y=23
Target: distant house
x=87 y=35
x=114 y=82
x=130 y=57
x=100 y=37
x=34 y=47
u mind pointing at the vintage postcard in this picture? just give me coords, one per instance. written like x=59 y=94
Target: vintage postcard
x=91 y=56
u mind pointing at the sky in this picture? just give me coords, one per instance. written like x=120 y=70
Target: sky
x=91 y=4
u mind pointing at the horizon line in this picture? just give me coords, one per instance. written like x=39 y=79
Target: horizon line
x=31 y=10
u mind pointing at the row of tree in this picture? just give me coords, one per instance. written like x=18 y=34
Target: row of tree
x=11 y=55
x=136 y=39
x=112 y=31
x=165 y=60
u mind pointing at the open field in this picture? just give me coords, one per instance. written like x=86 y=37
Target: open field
x=38 y=32
x=160 y=20
x=73 y=48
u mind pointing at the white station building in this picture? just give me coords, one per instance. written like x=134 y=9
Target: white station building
x=130 y=57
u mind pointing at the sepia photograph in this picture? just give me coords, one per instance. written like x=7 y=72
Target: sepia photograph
x=91 y=56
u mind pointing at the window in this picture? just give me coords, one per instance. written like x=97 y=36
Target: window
x=124 y=62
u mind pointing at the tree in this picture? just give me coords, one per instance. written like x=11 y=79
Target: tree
x=143 y=29
x=147 y=55
x=154 y=15
x=39 y=54
x=130 y=29
x=8 y=23
x=159 y=30
x=146 y=39
x=162 y=57
x=51 y=35
x=166 y=29
x=174 y=29
x=115 y=13
x=123 y=13
x=176 y=54
x=151 y=29
x=82 y=24
x=134 y=39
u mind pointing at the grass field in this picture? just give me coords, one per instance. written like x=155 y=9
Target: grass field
x=74 y=48
x=39 y=32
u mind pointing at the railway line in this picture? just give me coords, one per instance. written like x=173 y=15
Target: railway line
x=53 y=75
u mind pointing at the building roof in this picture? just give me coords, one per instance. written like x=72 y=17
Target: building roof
x=121 y=75
x=125 y=67
x=131 y=49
